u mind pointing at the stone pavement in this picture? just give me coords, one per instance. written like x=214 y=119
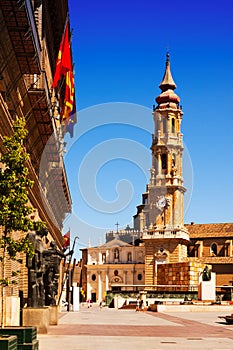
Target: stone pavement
x=129 y=330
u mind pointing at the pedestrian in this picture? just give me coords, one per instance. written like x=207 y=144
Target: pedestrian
x=88 y=303
x=137 y=305
x=100 y=305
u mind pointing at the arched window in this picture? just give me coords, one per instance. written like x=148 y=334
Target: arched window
x=129 y=256
x=214 y=249
x=139 y=277
x=93 y=277
x=173 y=125
x=116 y=253
x=104 y=257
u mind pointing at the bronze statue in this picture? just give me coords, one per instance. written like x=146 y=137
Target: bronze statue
x=43 y=271
x=206 y=274
x=36 y=269
x=52 y=259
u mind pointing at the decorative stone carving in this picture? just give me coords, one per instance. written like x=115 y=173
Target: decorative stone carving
x=36 y=269
x=52 y=259
x=43 y=271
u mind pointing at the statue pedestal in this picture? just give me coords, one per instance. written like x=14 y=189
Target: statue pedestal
x=38 y=317
x=75 y=298
x=53 y=315
x=207 y=289
x=12 y=311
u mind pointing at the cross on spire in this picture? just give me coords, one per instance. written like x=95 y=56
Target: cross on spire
x=117 y=225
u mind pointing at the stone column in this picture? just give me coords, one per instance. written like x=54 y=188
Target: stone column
x=88 y=287
x=169 y=126
x=107 y=256
x=107 y=280
x=125 y=277
x=100 y=258
x=142 y=220
x=169 y=162
x=100 y=296
x=159 y=163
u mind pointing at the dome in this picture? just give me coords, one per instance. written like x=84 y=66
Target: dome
x=168 y=96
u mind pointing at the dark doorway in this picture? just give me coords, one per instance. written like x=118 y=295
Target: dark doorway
x=93 y=297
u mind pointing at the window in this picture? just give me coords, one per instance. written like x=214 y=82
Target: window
x=139 y=277
x=173 y=126
x=129 y=256
x=116 y=273
x=93 y=277
x=164 y=161
x=173 y=159
x=116 y=253
x=213 y=249
x=103 y=257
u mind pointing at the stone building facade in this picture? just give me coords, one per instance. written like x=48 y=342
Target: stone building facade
x=212 y=244
x=30 y=36
x=110 y=267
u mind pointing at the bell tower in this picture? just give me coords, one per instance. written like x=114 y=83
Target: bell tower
x=161 y=215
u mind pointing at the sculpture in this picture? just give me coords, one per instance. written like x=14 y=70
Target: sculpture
x=206 y=274
x=52 y=259
x=36 y=268
x=43 y=271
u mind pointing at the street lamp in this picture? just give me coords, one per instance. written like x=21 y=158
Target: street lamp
x=68 y=274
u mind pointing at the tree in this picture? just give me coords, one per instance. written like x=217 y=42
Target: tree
x=14 y=203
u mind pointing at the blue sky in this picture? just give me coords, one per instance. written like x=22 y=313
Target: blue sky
x=119 y=51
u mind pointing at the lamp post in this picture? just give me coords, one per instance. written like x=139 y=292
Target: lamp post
x=68 y=274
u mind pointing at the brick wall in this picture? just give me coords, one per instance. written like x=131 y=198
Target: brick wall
x=185 y=275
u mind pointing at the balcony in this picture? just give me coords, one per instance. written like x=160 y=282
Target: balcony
x=20 y=23
x=165 y=233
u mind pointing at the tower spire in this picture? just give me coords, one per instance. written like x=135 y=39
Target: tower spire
x=167 y=82
x=167 y=86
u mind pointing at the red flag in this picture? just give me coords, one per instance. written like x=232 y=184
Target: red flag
x=64 y=63
x=66 y=240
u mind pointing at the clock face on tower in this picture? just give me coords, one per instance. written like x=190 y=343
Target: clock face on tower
x=161 y=202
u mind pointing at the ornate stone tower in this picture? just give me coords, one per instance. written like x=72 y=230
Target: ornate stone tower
x=161 y=215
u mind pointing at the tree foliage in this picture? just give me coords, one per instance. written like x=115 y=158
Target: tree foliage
x=14 y=198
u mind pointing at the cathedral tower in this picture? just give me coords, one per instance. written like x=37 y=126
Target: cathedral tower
x=161 y=215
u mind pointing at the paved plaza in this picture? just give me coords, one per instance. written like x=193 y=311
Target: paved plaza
x=92 y=328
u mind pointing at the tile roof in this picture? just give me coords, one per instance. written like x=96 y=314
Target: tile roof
x=210 y=230
x=116 y=242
